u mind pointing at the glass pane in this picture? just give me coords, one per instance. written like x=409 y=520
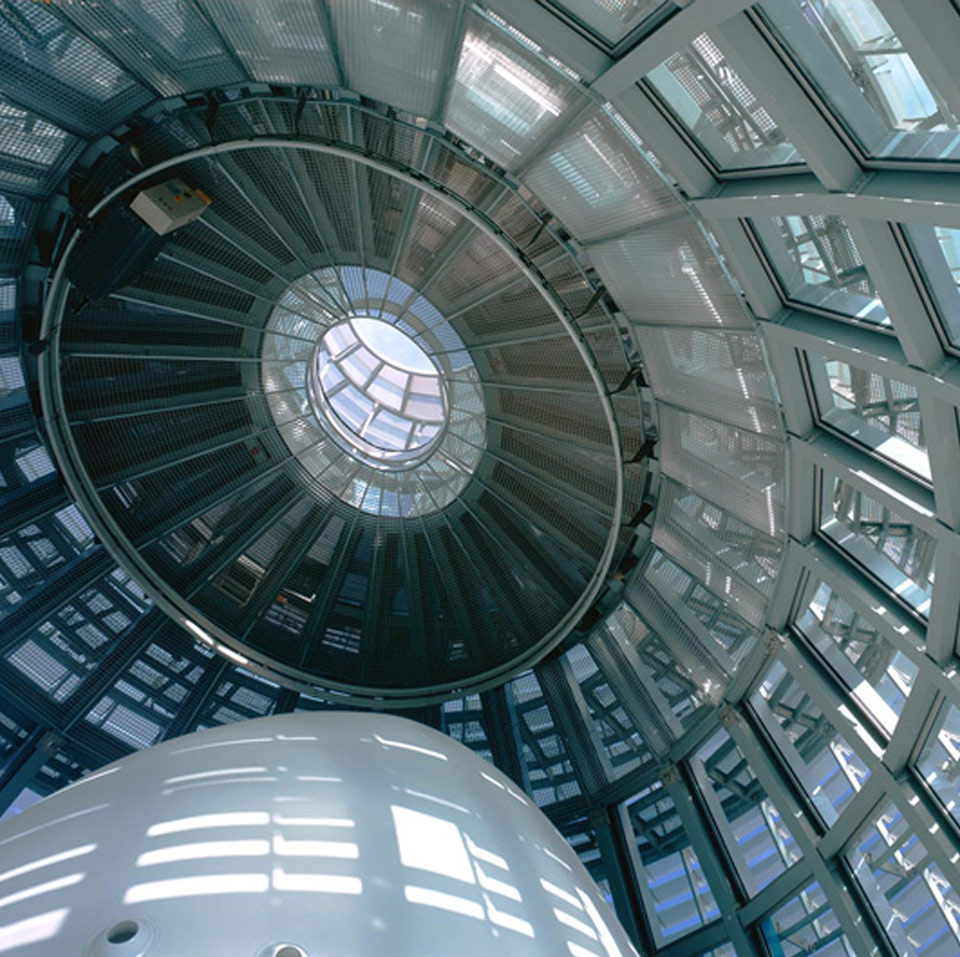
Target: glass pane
x=888 y=545
x=937 y=251
x=806 y=925
x=818 y=264
x=757 y=839
x=881 y=414
x=939 y=761
x=878 y=675
x=828 y=768
x=676 y=894
x=911 y=896
x=712 y=101
x=860 y=67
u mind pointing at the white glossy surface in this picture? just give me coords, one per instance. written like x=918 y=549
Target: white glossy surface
x=340 y=834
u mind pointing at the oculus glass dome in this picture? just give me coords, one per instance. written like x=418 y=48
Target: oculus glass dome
x=682 y=554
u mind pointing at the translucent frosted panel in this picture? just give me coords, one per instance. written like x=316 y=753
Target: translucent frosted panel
x=827 y=767
x=723 y=374
x=171 y=45
x=937 y=251
x=503 y=98
x=739 y=470
x=678 y=898
x=878 y=675
x=806 y=926
x=721 y=112
x=818 y=264
x=881 y=414
x=886 y=544
x=757 y=839
x=912 y=898
x=939 y=762
x=683 y=281
x=612 y=19
x=394 y=51
x=32 y=150
x=737 y=561
x=49 y=67
x=278 y=42
x=597 y=181
x=860 y=67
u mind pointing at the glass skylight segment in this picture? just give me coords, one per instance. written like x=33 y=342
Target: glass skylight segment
x=939 y=762
x=879 y=413
x=827 y=767
x=884 y=543
x=756 y=836
x=862 y=70
x=913 y=899
x=878 y=675
x=31 y=149
x=504 y=97
x=937 y=251
x=720 y=111
x=818 y=264
x=806 y=926
x=612 y=19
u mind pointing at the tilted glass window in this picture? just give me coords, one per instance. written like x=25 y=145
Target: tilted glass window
x=886 y=544
x=757 y=838
x=856 y=61
x=719 y=110
x=912 y=897
x=939 y=761
x=818 y=264
x=675 y=891
x=877 y=675
x=828 y=768
x=879 y=413
x=937 y=252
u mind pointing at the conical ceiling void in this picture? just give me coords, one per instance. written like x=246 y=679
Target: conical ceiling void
x=353 y=426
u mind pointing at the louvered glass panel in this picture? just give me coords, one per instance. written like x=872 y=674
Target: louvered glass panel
x=394 y=52
x=278 y=41
x=504 y=98
x=677 y=897
x=875 y=673
x=597 y=181
x=544 y=753
x=818 y=264
x=883 y=542
x=854 y=58
x=757 y=838
x=719 y=110
x=806 y=926
x=913 y=899
x=873 y=411
x=824 y=763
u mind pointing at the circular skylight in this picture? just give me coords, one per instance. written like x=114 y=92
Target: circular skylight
x=379 y=391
